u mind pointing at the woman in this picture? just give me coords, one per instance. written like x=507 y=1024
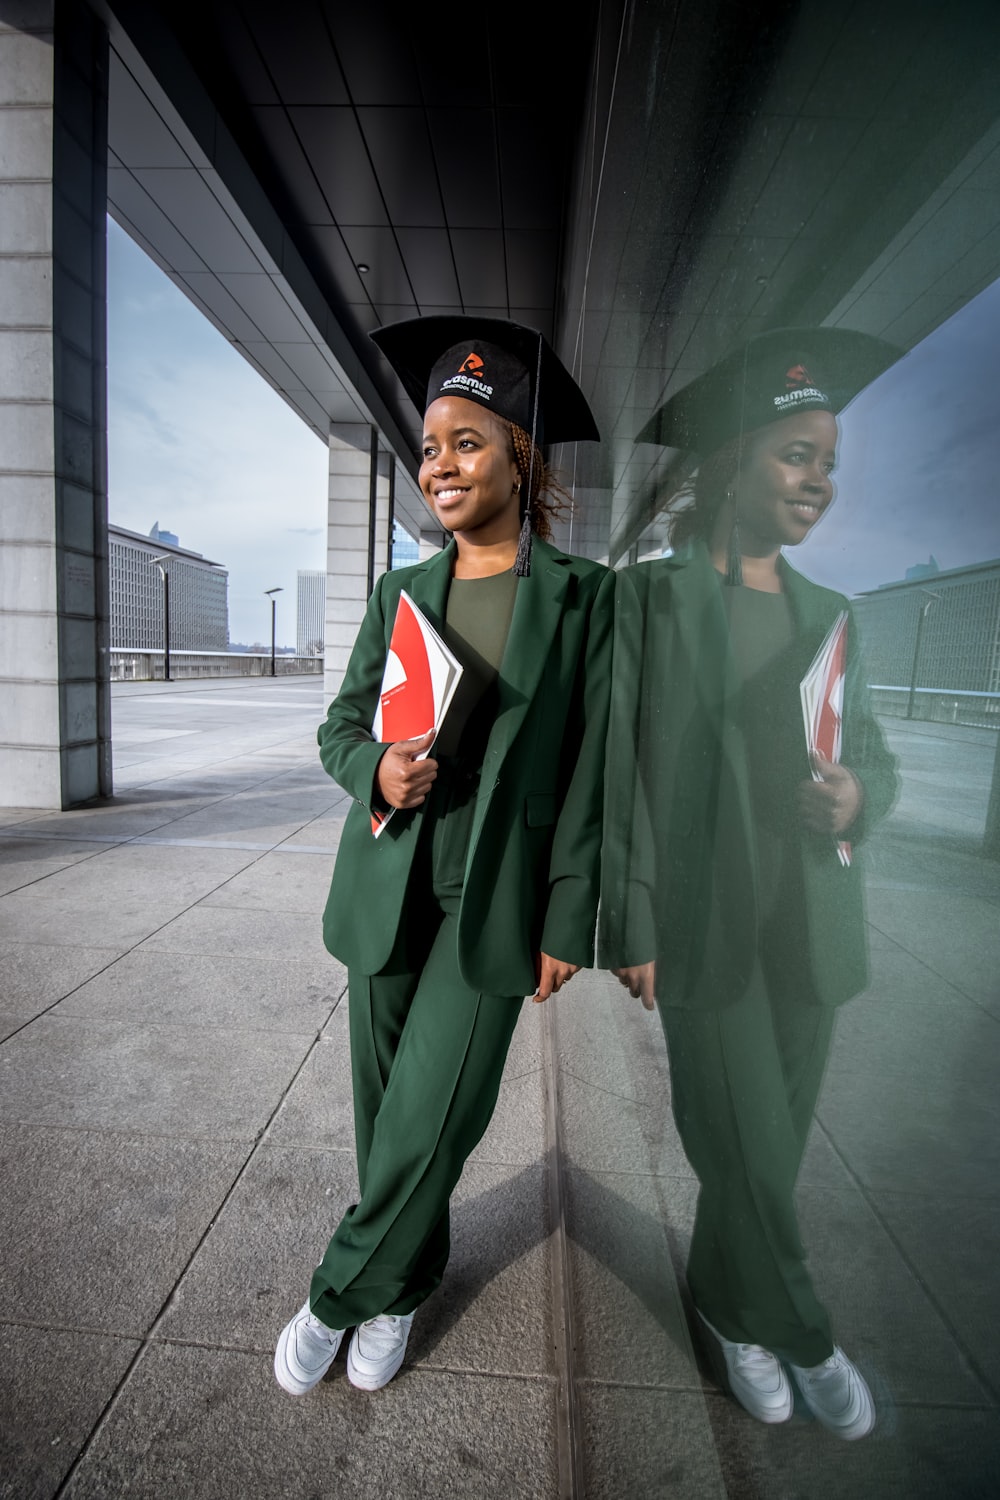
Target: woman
x=726 y=900
x=483 y=885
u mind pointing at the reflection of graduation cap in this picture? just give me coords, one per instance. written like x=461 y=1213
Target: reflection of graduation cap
x=773 y=375
x=498 y=364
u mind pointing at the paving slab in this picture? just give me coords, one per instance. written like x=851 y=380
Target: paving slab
x=117 y=898
x=98 y=1225
x=914 y=1453
x=35 y=976
x=217 y=930
x=277 y=882
x=25 y=860
x=213 y=1423
x=648 y=1442
x=188 y=989
x=152 y=1079
x=56 y=1384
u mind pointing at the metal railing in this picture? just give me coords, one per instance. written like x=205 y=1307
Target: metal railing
x=147 y=666
x=939 y=705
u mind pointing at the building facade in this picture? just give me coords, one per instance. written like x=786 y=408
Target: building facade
x=960 y=636
x=310 y=612
x=199 y=595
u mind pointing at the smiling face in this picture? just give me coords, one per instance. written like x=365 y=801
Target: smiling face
x=467 y=471
x=784 y=484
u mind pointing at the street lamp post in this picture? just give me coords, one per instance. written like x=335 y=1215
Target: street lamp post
x=271 y=593
x=932 y=599
x=159 y=561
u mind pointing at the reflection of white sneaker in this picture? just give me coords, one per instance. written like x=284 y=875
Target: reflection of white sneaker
x=376 y=1350
x=836 y=1394
x=306 y=1350
x=756 y=1379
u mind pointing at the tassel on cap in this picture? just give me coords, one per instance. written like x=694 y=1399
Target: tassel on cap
x=734 y=560
x=522 y=562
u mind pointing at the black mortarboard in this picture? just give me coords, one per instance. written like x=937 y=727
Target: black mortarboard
x=772 y=375
x=498 y=364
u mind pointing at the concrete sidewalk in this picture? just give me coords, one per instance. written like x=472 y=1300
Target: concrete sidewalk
x=177 y=1143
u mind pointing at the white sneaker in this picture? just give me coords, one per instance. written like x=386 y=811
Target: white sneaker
x=376 y=1350
x=756 y=1379
x=836 y=1394
x=305 y=1351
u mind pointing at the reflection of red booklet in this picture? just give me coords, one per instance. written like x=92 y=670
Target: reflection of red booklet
x=418 y=684
x=822 y=690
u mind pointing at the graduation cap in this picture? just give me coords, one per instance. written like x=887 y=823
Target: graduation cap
x=504 y=366
x=771 y=376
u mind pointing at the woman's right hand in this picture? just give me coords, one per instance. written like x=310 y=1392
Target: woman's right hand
x=403 y=780
x=640 y=981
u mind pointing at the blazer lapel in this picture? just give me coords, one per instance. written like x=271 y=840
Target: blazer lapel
x=701 y=624
x=429 y=585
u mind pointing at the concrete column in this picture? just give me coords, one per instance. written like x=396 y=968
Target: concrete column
x=348 y=522
x=54 y=696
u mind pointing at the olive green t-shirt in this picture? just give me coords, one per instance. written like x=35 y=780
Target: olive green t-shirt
x=477 y=623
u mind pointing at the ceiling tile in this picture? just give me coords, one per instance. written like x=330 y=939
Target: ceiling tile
x=336 y=150
x=299 y=56
x=479 y=259
x=400 y=150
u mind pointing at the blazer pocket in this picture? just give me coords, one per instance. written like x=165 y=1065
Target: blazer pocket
x=539 y=809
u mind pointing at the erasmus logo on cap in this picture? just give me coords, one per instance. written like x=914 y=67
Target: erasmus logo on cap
x=799 y=391
x=469 y=379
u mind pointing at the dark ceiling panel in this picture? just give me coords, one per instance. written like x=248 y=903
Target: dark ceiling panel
x=299 y=56
x=386 y=279
x=249 y=69
x=465 y=147
x=531 y=266
x=482 y=274
x=428 y=257
x=337 y=152
x=534 y=148
x=291 y=164
x=384 y=74
x=400 y=150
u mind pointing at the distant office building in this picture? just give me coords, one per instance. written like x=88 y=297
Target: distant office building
x=199 y=594
x=158 y=535
x=404 y=549
x=960 y=639
x=310 y=613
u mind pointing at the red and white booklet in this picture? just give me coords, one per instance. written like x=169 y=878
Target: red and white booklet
x=822 y=690
x=418 y=683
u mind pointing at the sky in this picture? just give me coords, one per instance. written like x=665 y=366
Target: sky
x=200 y=443
x=918 y=471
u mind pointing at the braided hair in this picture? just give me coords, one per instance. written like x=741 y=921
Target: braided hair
x=692 y=508
x=542 y=495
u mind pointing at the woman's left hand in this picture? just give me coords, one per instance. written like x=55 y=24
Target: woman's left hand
x=833 y=804
x=552 y=975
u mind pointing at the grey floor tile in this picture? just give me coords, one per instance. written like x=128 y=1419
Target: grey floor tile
x=214 y=1424
x=954 y=1245
x=262 y=815
x=116 y=899
x=914 y=1453
x=278 y=882
x=151 y=1079
x=186 y=989
x=629 y=1324
x=34 y=976
x=98 y=1225
x=880 y=1311
x=648 y=1443
x=55 y=1386
x=956 y=936
x=218 y=930
x=23 y=861
x=318 y=1112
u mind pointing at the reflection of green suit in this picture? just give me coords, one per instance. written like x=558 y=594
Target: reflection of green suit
x=440 y=918
x=746 y=987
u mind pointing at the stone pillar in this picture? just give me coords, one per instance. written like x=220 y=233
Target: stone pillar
x=348 y=543
x=55 y=746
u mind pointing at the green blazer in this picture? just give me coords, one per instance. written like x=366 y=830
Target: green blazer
x=532 y=873
x=680 y=877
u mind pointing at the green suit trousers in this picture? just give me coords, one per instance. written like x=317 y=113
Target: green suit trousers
x=427 y=1057
x=744 y=1084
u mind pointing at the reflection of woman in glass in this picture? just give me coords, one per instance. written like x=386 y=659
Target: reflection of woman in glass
x=725 y=898
x=483 y=887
